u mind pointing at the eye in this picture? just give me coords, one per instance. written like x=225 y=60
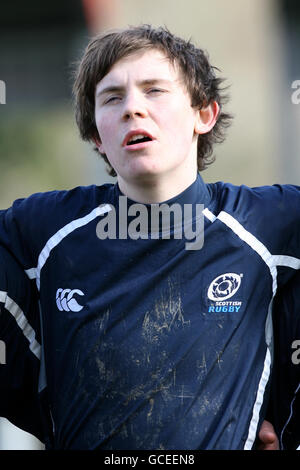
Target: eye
x=155 y=91
x=112 y=99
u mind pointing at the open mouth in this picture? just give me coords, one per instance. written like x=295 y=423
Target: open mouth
x=138 y=139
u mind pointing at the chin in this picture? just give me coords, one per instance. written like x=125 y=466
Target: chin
x=141 y=170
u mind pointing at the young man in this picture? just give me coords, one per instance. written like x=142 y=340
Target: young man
x=157 y=330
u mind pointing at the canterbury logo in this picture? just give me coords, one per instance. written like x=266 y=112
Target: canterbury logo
x=66 y=302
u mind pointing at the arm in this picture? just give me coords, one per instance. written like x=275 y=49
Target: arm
x=284 y=409
x=21 y=349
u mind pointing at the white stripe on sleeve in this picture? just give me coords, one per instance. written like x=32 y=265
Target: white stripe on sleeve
x=29 y=333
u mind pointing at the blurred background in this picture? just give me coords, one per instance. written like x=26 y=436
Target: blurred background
x=255 y=44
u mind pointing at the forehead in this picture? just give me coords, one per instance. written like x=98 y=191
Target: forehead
x=143 y=65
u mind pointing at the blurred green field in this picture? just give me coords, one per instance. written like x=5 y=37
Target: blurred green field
x=41 y=151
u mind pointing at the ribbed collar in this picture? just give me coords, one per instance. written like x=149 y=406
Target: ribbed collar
x=185 y=210
x=196 y=193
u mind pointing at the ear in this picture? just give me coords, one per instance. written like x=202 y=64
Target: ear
x=206 y=118
x=97 y=141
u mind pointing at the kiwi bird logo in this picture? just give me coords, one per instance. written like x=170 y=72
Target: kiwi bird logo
x=66 y=302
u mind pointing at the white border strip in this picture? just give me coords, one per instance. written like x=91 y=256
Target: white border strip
x=31 y=273
x=29 y=333
x=209 y=215
x=253 y=242
x=258 y=402
x=288 y=261
x=59 y=236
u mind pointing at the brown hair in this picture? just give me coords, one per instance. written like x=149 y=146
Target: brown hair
x=106 y=49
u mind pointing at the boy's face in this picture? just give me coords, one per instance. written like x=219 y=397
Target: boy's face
x=142 y=97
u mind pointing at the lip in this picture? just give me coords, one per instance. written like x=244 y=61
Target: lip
x=130 y=134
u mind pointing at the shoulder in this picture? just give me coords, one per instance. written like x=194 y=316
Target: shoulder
x=76 y=199
x=270 y=213
x=262 y=198
x=30 y=222
x=48 y=211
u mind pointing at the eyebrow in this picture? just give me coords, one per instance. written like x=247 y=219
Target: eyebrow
x=117 y=89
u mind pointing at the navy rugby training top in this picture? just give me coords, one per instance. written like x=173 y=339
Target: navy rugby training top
x=146 y=344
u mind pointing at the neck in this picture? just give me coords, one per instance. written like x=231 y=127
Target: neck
x=151 y=190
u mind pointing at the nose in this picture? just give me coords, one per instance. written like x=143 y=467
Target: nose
x=134 y=106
